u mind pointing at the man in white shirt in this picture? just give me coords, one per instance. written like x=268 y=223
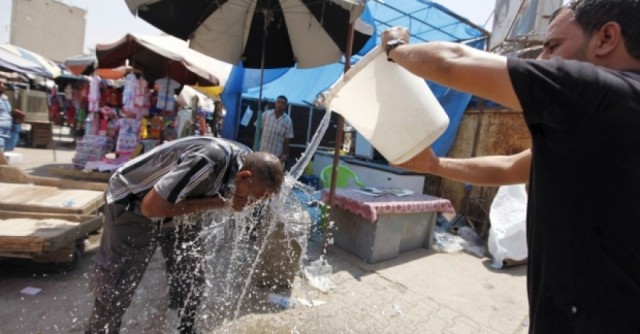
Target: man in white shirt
x=277 y=129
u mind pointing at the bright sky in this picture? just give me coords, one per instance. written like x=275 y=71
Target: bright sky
x=109 y=20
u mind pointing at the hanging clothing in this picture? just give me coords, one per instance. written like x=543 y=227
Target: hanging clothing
x=129 y=91
x=94 y=93
x=166 y=92
x=141 y=98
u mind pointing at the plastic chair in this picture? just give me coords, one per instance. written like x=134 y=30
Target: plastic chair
x=345 y=175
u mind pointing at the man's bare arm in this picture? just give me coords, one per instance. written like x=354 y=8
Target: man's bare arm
x=153 y=205
x=489 y=170
x=457 y=66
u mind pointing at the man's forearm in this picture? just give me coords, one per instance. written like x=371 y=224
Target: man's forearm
x=155 y=206
x=488 y=171
x=198 y=204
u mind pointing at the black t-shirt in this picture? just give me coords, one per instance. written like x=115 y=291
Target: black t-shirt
x=583 y=223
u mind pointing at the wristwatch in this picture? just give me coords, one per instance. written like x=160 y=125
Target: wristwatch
x=392 y=44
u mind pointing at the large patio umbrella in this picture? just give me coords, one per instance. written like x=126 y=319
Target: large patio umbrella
x=261 y=33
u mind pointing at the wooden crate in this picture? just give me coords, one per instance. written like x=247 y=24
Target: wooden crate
x=41 y=135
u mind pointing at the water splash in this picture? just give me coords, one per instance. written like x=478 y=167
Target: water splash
x=247 y=255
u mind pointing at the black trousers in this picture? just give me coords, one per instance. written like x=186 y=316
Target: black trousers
x=127 y=245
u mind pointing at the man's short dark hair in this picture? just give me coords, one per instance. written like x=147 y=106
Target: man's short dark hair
x=284 y=98
x=591 y=15
x=266 y=167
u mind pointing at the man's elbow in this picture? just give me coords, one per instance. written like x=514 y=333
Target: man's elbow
x=148 y=209
x=153 y=205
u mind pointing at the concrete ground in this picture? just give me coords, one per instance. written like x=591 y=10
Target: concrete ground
x=421 y=291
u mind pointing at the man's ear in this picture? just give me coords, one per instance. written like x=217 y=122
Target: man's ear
x=609 y=38
x=243 y=175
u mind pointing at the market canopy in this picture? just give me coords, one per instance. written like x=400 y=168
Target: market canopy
x=86 y=65
x=81 y=64
x=14 y=63
x=159 y=56
x=30 y=63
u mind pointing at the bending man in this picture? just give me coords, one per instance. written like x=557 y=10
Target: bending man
x=180 y=177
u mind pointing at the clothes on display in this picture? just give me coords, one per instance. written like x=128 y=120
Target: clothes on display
x=94 y=94
x=119 y=119
x=166 y=88
x=127 y=136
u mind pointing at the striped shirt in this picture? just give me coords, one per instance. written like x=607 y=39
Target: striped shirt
x=274 y=132
x=185 y=168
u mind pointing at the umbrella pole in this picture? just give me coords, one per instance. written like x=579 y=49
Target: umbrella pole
x=53 y=141
x=166 y=91
x=258 y=134
x=338 y=144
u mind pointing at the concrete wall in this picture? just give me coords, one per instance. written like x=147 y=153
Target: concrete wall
x=48 y=27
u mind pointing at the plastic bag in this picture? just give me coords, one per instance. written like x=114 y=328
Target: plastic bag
x=508 y=233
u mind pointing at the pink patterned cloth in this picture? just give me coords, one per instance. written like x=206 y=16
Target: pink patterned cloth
x=369 y=207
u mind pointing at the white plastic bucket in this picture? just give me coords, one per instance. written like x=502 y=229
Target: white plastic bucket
x=389 y=106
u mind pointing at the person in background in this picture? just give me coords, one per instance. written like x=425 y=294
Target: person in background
x=199 y=124
x=215 y=122
x=277 y=130
x=581 y=102
x=18 y=117
x=180 y=177
x=6 y=120
x=184 y=119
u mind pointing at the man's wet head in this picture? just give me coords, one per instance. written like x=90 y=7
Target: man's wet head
x=261 y=177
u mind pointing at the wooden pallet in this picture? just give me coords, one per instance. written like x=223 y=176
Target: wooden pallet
x=44 y=237
x=22 y=192
x=34 y=198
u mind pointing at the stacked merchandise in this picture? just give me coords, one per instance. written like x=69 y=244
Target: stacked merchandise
x=91 y=148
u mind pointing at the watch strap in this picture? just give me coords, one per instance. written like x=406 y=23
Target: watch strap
x=392 y=44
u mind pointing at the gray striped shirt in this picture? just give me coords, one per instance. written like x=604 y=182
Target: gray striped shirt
x=189 y=167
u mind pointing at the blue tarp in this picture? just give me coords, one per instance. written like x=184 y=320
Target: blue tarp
x=428 y=21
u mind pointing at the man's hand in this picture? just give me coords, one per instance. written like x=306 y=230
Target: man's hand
x=424 y=162
x=394 y=33
x=239 y=202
